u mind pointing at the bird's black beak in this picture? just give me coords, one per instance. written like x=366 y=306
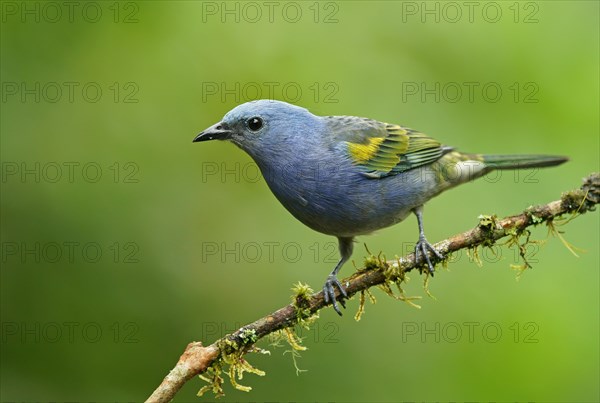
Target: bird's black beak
x=219 y=131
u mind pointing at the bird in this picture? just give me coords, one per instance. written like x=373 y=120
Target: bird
x=348 y=176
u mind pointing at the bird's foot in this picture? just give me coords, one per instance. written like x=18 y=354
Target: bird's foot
x=424 y=247
x=329 y=293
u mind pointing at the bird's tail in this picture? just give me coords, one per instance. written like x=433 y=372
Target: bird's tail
x=455 y=167
x=522 y=161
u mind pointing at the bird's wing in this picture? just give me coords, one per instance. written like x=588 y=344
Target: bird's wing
x=383 y=149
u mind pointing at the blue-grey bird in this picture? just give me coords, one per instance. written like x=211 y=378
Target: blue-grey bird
x=347 y=176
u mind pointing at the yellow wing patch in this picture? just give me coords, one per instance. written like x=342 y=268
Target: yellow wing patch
x=362 y=153
x=401 y=149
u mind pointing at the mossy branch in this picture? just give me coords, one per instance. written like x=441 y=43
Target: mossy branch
x=198 y=359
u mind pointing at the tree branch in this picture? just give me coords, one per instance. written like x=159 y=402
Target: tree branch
x=197 y=359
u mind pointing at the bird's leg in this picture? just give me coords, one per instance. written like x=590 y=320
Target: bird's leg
x=345 y=246
x=423 y=246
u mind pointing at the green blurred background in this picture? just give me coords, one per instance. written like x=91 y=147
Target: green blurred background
x=161 y=242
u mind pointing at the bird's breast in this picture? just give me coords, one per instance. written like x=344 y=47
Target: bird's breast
x=337 y=199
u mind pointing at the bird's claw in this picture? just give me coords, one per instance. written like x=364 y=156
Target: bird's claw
x=424 y=247
x=329 y=293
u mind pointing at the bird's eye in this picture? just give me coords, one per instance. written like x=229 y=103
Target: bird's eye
x=255 y=123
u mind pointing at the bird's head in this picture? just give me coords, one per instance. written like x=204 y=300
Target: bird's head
x=257 y=125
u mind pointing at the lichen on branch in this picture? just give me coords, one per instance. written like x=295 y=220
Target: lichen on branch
x=209 y=361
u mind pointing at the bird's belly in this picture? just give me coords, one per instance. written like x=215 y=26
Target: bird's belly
x=351 y=204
